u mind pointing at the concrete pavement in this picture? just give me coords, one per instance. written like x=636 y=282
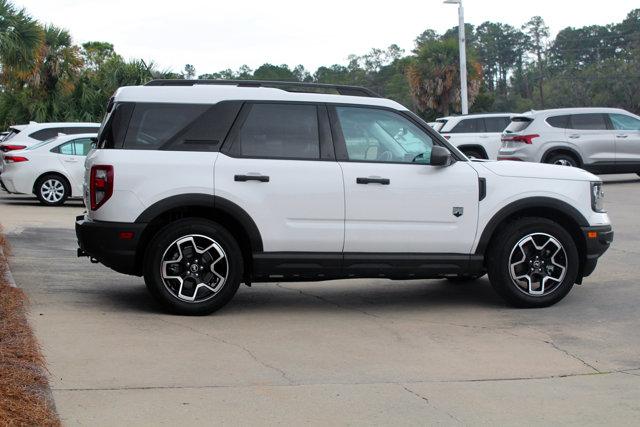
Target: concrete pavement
x=340 y=352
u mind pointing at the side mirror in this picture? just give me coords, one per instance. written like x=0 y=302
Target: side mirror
x=440 y=156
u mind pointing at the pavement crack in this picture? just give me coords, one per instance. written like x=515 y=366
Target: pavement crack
x=568 y=353
x=245 y=349
x=418 y=395
x=415 y=393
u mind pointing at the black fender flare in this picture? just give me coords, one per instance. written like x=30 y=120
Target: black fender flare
x=209 y=202
x=521 y=205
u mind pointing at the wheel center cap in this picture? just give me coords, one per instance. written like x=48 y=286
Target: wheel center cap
x=537 y=264
x=194 y=268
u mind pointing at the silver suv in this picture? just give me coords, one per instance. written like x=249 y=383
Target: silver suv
x=600 y=140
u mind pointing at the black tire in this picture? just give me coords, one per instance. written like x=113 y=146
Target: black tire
x=164 y=241
x=473 y=152
x=499 y=259
x=46 y=188
x=563 y=159
x=465 y=278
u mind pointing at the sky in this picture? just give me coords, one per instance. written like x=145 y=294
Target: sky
x=215 y=35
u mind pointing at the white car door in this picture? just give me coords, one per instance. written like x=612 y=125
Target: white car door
x=278 y=165
x=395 y=201
x=72 y=155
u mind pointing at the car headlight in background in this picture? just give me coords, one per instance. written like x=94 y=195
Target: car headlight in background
x=597 y=197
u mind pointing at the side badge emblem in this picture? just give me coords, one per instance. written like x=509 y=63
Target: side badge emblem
x=458 y=211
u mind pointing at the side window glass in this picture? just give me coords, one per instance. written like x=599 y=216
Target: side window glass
x=496 y=124
x=624 y=122
x=561 y=122
x=77 y=130
x=67 y=148
x=376 y=135
x=81 y=146
x=44 y=134
x=588 y=121
x=468 y=126
x=279 y=131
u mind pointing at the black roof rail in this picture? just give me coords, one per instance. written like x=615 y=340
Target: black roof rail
x=284 y=85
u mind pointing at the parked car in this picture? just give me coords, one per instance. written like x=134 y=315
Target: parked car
x=476 y=135
x=23 y=136
x=201 y=185
x=600 y=140
x=53 y=170
x=11 y=132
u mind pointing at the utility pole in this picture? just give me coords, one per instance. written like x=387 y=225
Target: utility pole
x=463 y=56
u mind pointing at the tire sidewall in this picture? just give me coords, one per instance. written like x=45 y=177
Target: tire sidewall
x=65 y=185
x=499 y=270
x=168 y=235
x=555 y=157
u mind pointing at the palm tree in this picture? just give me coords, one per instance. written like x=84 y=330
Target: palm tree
x=434 y=76
x=20 y=41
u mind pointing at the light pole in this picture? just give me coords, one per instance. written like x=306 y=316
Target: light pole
x=463 y=56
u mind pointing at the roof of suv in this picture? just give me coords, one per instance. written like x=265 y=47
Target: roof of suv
x=580 y=110
x=475 y=116
x=214 y=93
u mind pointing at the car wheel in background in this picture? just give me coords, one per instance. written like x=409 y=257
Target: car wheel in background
x=533 y=262
x=562 y=159
x=473 y=153
x=193 y=266
x=52 y=190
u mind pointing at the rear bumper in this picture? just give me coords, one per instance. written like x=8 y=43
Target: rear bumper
x=598 y=239
x=105 y=242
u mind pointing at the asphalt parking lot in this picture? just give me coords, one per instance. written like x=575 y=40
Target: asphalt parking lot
x=345 y=352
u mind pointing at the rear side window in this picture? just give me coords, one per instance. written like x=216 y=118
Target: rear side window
x=79 y=129
x=588 y=121
x=518 y=124
x=47 y=133
x=279 y=131
x=624 y=122
x=179 y=127
x=496 y=124
x=468 y=126
x=561 y=122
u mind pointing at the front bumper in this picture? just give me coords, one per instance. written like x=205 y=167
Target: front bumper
x=598 y=239
x=114 y=244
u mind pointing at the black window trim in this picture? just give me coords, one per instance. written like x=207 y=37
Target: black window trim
x=327 y=153
x=341 y=147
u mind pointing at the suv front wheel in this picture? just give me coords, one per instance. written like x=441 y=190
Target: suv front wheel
x=193 y=266
x=533 y=262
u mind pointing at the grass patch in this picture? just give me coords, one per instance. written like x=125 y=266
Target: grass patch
x=24 y=388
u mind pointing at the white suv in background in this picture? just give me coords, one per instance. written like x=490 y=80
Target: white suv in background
x=22 y=136
x=600 y=140
x=201 y=185
x=476 y=135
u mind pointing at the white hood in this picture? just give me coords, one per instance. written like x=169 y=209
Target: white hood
x=537 y=170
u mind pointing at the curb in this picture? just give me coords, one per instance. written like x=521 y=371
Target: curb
x=8 y=277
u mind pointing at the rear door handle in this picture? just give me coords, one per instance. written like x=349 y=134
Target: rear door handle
x=621 y=136
x=373 y=180
x=245 y=178
x=574 y=136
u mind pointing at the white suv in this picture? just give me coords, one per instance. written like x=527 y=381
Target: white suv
x=476 y=135
x=201 y=185
x=23 y=136
x=600 y=140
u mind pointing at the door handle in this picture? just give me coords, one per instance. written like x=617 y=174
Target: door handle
x=373 y=180
x=621 y=136
x=245 y=178
x=574 y=136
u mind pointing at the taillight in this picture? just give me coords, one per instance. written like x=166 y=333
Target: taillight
x=5 y=148
x=527 y=139
x=100 y=185
x=15 y=159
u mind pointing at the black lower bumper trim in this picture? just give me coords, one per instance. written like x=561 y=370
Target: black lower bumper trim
x=104 y=242
x=598 y=239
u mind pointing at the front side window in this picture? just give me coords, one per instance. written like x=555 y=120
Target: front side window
x=279 y=131
x=588 y=121
x=375 y=135
x=469 y=126
x=624 y=122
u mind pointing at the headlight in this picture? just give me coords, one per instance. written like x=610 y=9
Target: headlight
x=597 y=197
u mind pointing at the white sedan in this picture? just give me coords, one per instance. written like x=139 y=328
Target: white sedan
x=53 y=170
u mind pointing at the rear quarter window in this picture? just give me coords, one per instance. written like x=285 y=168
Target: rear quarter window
x=561 y=122
x=46 y=133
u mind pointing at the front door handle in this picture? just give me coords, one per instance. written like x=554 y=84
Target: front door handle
x=245 y=178
x=373 y=180
x=574 y=136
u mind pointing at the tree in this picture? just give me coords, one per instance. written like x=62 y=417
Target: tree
x=96 y=53
x=189 y=71
x=538 y=33
x=434 y=76
x=274 y=72
x=21 y=38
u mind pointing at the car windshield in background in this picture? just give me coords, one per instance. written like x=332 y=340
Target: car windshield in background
x=518 y=124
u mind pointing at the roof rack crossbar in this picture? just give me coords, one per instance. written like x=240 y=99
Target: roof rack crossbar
x=284 y=85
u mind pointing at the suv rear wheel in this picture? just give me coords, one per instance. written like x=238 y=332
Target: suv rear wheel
x=562 y=159
x=52 y=190
x=533 y=262
x=193 y=266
